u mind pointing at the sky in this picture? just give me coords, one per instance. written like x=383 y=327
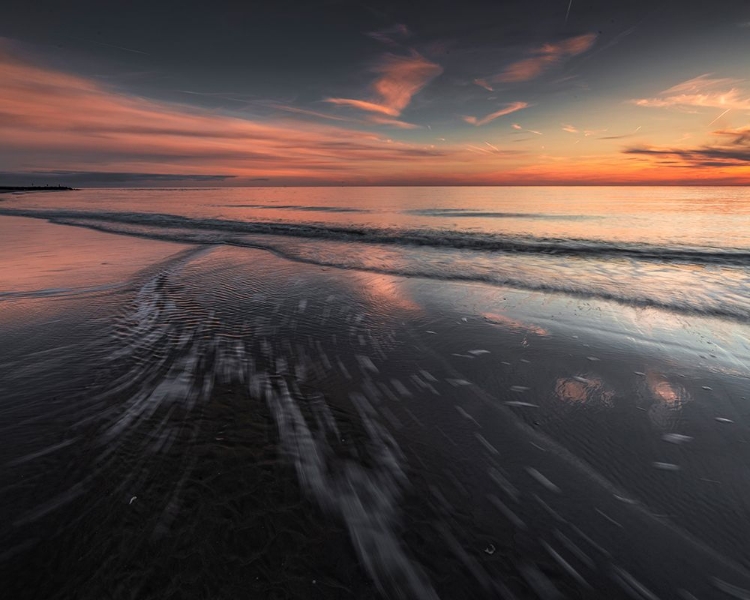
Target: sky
x=340 y=92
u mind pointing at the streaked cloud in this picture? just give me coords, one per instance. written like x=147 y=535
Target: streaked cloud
x=733 y=152
x=312 y=113
x=400 y=78
x=741 y=135
x=540 y=60
x=391 y=36
x=569 y=128
x=511 y=108
x=518 y=127
x=701 y=92
x=392 y=122
x=73 y=124
x=485 y=84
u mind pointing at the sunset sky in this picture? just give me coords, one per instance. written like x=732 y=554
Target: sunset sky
x=372 y=92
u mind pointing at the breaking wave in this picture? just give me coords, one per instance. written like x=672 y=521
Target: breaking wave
x=433 y=238
x=686 y=280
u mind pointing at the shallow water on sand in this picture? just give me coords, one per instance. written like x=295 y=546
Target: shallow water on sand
x=215 y=421
x=684 y=249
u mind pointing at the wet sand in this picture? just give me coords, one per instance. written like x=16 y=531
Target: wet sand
x=227 y=423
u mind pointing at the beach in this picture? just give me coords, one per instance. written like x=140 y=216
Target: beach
x=333 y=396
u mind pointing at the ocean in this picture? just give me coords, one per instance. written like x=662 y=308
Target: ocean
x=402 y=392
x=683 y=248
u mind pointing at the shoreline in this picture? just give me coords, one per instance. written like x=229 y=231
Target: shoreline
x=11 y=189
x=449 y=427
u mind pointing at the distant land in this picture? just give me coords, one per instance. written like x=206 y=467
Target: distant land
x=6 y=189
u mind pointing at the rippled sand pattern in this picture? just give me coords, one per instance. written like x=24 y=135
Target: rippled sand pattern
x=235 y=424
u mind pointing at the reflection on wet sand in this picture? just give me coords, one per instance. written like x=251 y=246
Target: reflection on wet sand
x=514 y=324
x=669 y=398
x=384 y=293
x=230 y=377
x=665 y=391
x=580 y=389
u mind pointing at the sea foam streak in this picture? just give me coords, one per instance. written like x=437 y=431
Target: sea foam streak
x=689 y=280
x=406 y=237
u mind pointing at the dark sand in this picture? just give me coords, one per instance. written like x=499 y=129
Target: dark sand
x=230 y=424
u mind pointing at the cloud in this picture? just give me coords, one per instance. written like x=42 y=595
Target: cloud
x=569 y=128
x=740 y=135
x=734 y=152
x=400 y=78
x=392 y=122
x=702 y=91
x=517 y=127
x=311 y=113
x=365 y=105
x=698 y=157
x=541 y=59
x=484 y=83
x=391 y=35
x=54 y=121
x=511 y=108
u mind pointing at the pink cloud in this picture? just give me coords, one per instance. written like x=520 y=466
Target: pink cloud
x=702 y=91
x=517 y=127
x=392 y=122
x=400 y=79
x=54 y=121
x=511 y=108
x=483 y=83
x=541 y=59
x=365 y=105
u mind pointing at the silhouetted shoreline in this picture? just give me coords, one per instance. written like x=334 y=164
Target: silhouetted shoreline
x=6 y=189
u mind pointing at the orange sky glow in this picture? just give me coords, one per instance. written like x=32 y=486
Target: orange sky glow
x=687 y=132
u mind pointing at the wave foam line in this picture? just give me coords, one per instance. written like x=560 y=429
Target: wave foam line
x=481 y=242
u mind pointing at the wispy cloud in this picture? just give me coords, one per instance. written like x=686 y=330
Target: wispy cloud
x=485 y=84
x=63 y=122
x=740 y=135
x=511 y=108
x=702 y=91
x=732 y=152
x=392 y=122
x=517 y=127
x=391 y=36
x=540 y=60
x=311 y=113
x=569 y=128
x=123 y=48
x=400 y=78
